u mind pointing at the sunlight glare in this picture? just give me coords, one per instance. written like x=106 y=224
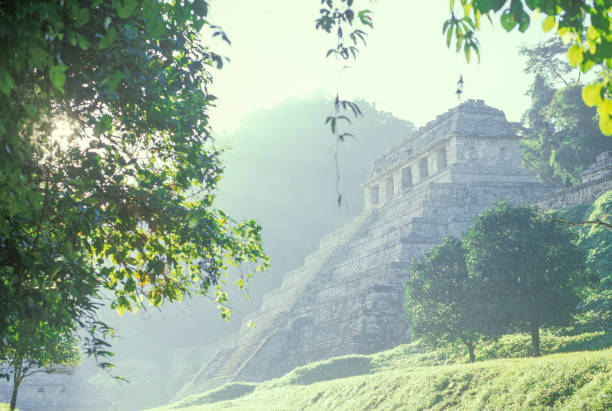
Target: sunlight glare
x=62 y=134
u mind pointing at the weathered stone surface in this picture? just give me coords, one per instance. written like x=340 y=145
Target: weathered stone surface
x=600 y=170
x=348 y=296
x=596 y=180
x=56 y=392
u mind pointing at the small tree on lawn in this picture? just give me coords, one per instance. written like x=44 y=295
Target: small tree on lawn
x=441 y=297
x=38 y=347
x=530 y=266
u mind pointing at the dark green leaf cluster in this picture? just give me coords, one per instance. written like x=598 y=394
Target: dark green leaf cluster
x=596 y=242
x=513 y=270
x=532 y=267
x=125 y=201
x=441 y=297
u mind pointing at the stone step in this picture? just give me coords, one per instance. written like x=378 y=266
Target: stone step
x=276 y=304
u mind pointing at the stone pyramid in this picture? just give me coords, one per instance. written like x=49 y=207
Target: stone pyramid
x=348 y=297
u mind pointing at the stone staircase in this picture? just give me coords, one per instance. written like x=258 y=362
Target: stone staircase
x=228 y=361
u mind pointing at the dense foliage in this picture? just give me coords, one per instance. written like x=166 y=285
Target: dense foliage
x=125 y=202
x=520 y=272
x=531 y=267
x=596 y=242
x=442 y=297
x=561 y=137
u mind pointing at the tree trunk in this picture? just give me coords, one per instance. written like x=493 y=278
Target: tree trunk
x=470 y=347
x=535 y=340
x=16 y=382
x=17 y=376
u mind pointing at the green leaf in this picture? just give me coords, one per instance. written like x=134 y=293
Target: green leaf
x=155 y=29
x=6 y=82
x=83 y=44
x=108 y=39
x=516 y=8
x=365 y=18
x=114 y=80
x=524 y=22
x=586 y=65
x=507 y=20
x=81 y=17
x=591 y=94
x=57 y=74
x=150 y=9
x=593 y=33
x=125 y=8
x=566 y=34
x=575 y=55
x=487 y=5
x=200 y=8
x=605 y=125
x=548 y=24
x=605 y=109
x=103 y=125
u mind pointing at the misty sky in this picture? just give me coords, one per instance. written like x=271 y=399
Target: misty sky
x=405 y=69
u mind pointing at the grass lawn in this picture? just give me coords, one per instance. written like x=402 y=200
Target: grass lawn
x=407 y=377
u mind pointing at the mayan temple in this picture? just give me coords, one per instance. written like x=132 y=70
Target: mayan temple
x=348 y=296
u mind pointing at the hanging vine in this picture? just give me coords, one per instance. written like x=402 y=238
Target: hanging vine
x=339 y=17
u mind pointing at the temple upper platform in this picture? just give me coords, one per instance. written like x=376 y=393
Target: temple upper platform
x=472 y=142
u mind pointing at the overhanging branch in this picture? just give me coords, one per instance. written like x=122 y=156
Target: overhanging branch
x=573 y=223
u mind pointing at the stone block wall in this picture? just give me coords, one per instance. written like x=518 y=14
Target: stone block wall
x=583 y=194
x=56 y=392
x=596 y=180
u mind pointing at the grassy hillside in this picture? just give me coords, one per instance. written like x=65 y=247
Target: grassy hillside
x=409 y=378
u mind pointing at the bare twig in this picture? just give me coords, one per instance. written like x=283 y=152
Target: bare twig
x=573 y=223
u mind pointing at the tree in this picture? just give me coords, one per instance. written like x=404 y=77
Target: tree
x=595 y=240
x=562 y=137
x=585 y=26
x=39 y=348
x=443 y=298
x=547 y=59
x=530 y=265
x=536 y=149
x=126 y=202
